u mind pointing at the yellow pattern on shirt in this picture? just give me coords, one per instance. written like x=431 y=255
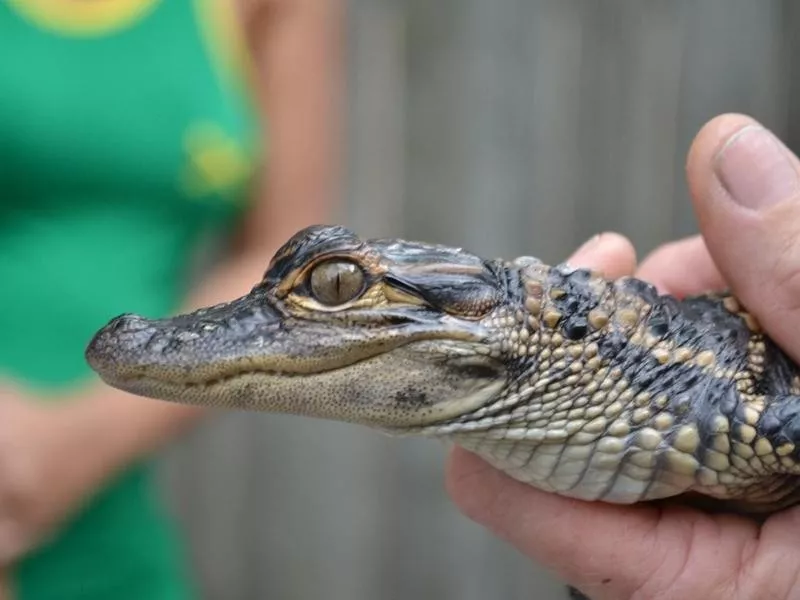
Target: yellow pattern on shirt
x=83 y=17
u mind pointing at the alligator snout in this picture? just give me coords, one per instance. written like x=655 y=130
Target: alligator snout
x=123 y=337
x=132 y=346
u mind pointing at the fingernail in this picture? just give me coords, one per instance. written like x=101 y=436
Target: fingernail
x=756 y=169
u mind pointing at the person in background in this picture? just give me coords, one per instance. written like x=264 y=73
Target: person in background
x=132 y=132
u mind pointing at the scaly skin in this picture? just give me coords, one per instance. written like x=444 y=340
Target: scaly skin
x=594 y=389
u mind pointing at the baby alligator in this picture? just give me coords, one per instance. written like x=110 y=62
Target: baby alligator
x=578 y=385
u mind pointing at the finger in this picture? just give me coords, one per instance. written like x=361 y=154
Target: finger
x=5 y=586
x=605 y=550
x=682 y=268
x=609 y=253
x=13 y=542
x=745 y=185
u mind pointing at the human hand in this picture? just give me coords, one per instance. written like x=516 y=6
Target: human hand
x=48 y=466
x=746 y=188
x=5 y=588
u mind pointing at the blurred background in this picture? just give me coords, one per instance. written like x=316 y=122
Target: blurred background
x=508 y=127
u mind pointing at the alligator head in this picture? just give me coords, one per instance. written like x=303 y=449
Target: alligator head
x=386 y=333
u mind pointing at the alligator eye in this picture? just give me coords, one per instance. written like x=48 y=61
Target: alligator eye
x=336 y=282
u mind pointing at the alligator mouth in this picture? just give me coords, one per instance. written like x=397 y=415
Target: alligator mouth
x=236 y=340
x=413 y=383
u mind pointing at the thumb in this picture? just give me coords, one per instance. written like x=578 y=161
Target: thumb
x=745 y=185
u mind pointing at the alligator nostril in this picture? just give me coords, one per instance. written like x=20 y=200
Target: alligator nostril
x=122 y=338
x=127 y=322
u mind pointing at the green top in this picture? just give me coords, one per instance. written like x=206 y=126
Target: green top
x=126 y=139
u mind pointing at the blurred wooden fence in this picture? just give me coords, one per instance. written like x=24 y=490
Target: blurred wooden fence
x=509 y=127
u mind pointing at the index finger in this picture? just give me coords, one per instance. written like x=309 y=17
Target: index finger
x=682 y=268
